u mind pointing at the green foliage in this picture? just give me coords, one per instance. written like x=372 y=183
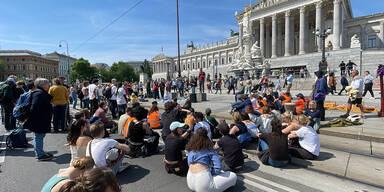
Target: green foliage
x=123 y=72
x=82 y=70
x=146 y=68
x=2 y=66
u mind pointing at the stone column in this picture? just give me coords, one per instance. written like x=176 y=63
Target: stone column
x=262 y=40
x=274 y=36
x=287 y=34
x=268 y=41
x=241 y=36
x=381 y=34
x=279 y=38
x=319 y=23
x=336 y=24
x=302 y=35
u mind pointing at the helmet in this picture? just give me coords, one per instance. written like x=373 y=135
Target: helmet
x=354 y=118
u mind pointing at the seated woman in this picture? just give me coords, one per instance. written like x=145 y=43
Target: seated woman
x=239 y=129
x=233 y=159
x=97 y=179
x=286 y=118
x=309 y=144
x=251 y=126
x=154 y=116
x=76 y=139
x=174 y=146
x=204 y=172
x=138 y=130
x=264 y=122
x=78 y=167
x=276 y=143
x=109 y=125
x=313 y=115
x=133 y=98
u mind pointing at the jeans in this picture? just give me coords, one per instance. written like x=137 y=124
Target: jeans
x=74 y=98
x=247 y=90
x=38 y=144
x=112 y=107
x=237 y=95
x=121 y=109
x=244 y=139
x=201 y=86
x=9 y=120
x=263 y=145
x=193 y=89
x=115 y=169
x=155 y=94
x=59 y=117
x=218 y=87
x=274 y=163
x=85 y=103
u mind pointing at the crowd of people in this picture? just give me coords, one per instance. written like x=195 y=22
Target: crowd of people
x=207 y=151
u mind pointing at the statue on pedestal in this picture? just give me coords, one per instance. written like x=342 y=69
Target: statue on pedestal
x=266 y=66
x=255 y=51
x=355 y=41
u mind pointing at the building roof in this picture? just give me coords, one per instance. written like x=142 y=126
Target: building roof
x=19 y=53
x=56 y=54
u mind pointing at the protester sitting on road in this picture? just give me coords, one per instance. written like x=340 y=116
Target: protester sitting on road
x=189 y=120
x=77 y=168
x=309 y=144
x=123 y=120
x=300 y=104
x=133 y=98
x=274 y=146
x=239 y=129
x=174 y=146
x=39 y=121
x=198 y=118
x=97 y=179
x=233 y=159
x=154 y=116
x=170 y=115
x=245 y=101
x=98 y=148
x=212 y=123
x=79 y=116
x=109 y=125
x=76 y=140
x=86 y=113
x=251 y=127
x=204 y=172
x=285 y=98
x=276 y=113
x=286 y=119
x=313 y=115
x=138 y=129
x=264 y=121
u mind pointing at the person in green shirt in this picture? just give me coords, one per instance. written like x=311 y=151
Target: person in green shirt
x=212 y=123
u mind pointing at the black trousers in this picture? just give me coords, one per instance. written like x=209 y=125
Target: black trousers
x=201 y=86
x=342 y=89
x=368 y=87
x=320 y=106
x=94 y=106
x=301 y=153
x=342 y=71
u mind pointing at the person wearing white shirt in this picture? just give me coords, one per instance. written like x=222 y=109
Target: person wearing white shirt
x=99 y=93
x=368 y=84
x=356 y=84
x=92 y=91
x=121 y=99
x=309 y=143
x=112 y=100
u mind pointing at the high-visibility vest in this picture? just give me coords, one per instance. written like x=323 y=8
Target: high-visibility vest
x=286 y=99
x=300 y=106
x=264 y=104
x=126 y=126
x=154 y=120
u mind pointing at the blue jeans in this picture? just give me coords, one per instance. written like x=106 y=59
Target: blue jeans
x=244 y=139
x=115 y=169
x=38 y=143
x=85 y=103
x=59 y=116
x=74 y=98
x=112 y=107
x=263 y=145
x=238 y=95
x=274 y=163
x=193 y=90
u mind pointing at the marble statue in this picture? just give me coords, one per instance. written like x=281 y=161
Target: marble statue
x=266 y=66
x=355 y=41
x=255 y=51
x=246 y=26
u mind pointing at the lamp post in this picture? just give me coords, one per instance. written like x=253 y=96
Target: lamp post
x=69 y=66
x=178 y=39
x=323 y=35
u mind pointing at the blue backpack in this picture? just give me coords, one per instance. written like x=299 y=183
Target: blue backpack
x=23 y=107
x=17 y=139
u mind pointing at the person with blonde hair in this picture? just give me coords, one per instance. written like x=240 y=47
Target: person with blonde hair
x=309 y=143
x=77 y=168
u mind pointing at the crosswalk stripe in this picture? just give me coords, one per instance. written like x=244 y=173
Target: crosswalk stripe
x=3 y=147
x=269 y=182
x=259 y=186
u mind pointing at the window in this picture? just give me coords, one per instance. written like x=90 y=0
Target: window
x=215 y=61
x=198 y=65
x=209 y=63
x=23 y=59
x=203 y=64
x=371 y=41
x=230 y=59
x=222 y=61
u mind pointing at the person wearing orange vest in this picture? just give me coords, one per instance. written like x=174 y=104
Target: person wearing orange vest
x=300 y=104
x=154 y=116
x=286 y=97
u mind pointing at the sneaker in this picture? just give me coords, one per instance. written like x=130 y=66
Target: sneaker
x=45 y=157
x=49 y=154
x=344 y=116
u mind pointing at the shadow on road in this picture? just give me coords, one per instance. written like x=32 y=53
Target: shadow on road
x=132 y=174
x=62 y=159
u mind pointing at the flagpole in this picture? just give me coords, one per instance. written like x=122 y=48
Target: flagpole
x=178 y=39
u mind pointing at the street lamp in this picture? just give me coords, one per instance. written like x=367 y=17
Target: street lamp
x=323 y=35
x=69 y=66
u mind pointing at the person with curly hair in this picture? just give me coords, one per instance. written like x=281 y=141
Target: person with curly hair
x=204 y=172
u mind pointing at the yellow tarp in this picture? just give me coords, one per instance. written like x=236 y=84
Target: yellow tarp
x=355 y=109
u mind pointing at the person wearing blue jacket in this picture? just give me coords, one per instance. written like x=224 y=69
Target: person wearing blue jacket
x=320 y=92
x=344 y=83
x=39 y=121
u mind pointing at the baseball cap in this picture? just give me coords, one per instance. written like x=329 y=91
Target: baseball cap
x=175 y=125
x=11 y=80
x=300 y=95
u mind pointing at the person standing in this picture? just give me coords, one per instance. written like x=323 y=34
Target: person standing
x=162 y=88
x=92 y=92
x=8 y=103
x=121 y=99
x=332 y=83
x=218 y=84
x=74 y=91
x=350 y=65
x=39 y=121
x=99 y=93
x=302 y=73
x=59 y=100
x=357 y=85
x=289 y=81
x=342 y=68
x=112 y=100
x=201 y=80
x=344 y=83
x=86 y=95
x=320 y=92
x=368 y=84
x=248 y=85
x=231 y=85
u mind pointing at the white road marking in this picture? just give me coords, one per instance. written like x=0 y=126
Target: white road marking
x=259 y=186
x=3 y=148
x=269 y=182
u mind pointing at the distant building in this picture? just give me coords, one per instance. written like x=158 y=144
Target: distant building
x=136 y=65
x=65 y=63
x=27 y=64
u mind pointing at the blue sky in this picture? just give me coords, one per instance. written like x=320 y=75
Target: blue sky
x=39 y=25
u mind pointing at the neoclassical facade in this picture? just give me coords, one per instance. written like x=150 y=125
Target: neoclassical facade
x=284 y=31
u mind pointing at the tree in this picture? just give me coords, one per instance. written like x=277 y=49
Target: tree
x=146 y=68
x=82 y=70
x=123 y=72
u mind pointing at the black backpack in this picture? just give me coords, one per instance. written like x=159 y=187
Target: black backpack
x=1 y=95
x=17 y=139
x=108 y=93
x=80 y=94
